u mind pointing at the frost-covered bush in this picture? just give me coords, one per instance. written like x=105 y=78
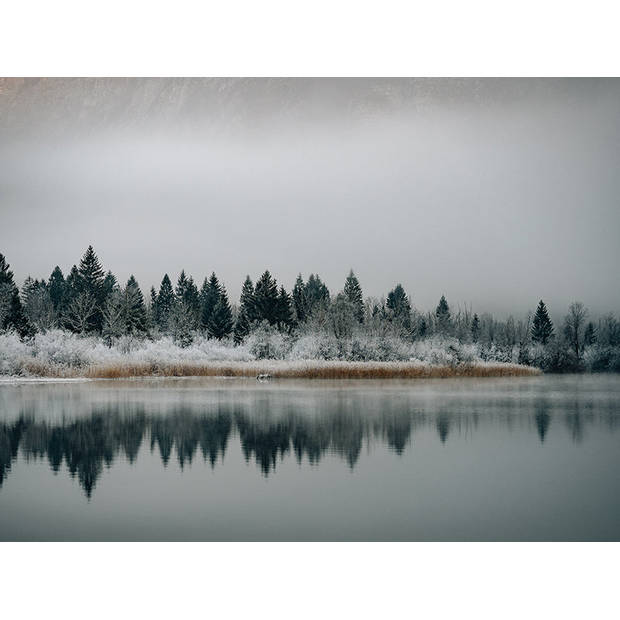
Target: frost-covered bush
x=13 y=354
x=266 y=342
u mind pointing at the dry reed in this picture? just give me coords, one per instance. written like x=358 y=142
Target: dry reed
x=300 y=370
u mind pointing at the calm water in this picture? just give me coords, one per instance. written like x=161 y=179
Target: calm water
x=202 y=459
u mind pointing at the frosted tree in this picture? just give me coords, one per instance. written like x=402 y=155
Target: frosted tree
x=574 y=327
x=542 y=327
x=181 y=324
x=38 y=305
x=342 y=316
x=113 y=317
x=221 y=321
x=353 y=292
x=81 y=311
x=589 y=337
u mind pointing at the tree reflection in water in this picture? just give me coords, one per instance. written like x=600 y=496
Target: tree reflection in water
x=86 y=445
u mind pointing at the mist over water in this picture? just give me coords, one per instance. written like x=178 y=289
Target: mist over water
x=493 y=192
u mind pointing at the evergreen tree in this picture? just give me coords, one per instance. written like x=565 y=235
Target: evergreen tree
x=56 y=287
x=317 y=294
x=266 y=299
x=422 y=327
x=442 y=314
x=134 y=310
x=475 y=328
x=165 y=303
x=113 y=317
x=300 y=303
x=542 y=327
x=92 y=277
x=12 y=315
x=210 y=295
x=242 y=327
x=221 y=321
x=399 y=306
x=247 y=300
x=109 y=284
x=353 y=292
x=285 y=309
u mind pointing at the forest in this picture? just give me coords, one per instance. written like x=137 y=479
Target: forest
x=88 y=316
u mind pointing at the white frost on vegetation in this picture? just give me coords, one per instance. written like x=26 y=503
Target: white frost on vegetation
x=63 y=351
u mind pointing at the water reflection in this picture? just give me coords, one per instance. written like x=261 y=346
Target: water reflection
x=268 y=429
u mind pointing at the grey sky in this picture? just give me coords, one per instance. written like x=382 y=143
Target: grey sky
x=494 y=192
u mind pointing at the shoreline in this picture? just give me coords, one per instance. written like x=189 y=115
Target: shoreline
x=306 y=369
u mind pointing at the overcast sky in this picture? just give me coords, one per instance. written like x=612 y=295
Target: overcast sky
x=493 y=192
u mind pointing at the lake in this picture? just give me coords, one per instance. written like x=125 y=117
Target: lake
x=534 y=458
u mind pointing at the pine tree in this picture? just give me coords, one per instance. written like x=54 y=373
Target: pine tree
x=353 y=292
x=109 y=284
x=247 y=300
x=475 y=328
x=442 y=314
x=165 y=303
x=242 y=327
x=300 y=303
x=113 y=317
x=542 y=327
x=134 y=310
x=210 y=295
x=266 y=299
x=221 y=320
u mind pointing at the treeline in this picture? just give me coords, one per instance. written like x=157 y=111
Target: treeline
x=91 y=301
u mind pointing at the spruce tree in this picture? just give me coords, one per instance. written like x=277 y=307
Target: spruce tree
x=92 y=277
x=542 y=327
x=12 y=315
x=442 y=314
x=317 y=294
x=210 y=295
x=399 y=306
x=266 y=299
x=300 y=303
x=247 y=300
x=221 y=321
x=353 y=292
x=109 y=284
x=285 y=310
x=56 y=287
x=242 y=327
x=134 y=310
x=165 y=303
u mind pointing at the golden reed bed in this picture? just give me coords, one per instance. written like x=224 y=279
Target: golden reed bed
x=288 y=370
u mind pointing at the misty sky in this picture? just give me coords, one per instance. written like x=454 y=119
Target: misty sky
x=493 y=192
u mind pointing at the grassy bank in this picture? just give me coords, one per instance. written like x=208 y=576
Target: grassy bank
x=295 y=370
